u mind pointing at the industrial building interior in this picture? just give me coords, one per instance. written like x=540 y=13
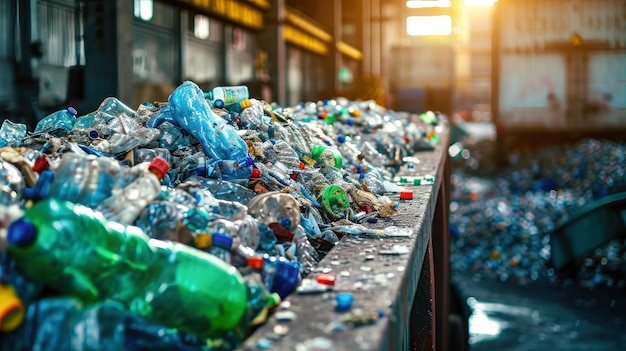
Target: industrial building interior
x=496 y=86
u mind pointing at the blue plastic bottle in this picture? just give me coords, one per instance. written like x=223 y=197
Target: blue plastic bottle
x=188 y=109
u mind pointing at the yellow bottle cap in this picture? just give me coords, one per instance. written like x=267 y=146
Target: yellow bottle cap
x=11 y=309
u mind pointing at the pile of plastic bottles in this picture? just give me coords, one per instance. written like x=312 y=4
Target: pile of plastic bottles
x=501 y=223
x=178 y=225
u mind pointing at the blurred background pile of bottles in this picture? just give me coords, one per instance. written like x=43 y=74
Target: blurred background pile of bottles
x=502 y=220
x=178 y=225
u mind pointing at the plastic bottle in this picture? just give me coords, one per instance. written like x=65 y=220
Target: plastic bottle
x=12 y=134
x=276 y=207
x=75 y=250
x=188 y=109
x=58 y=123
x=231 y=171
x=221 y=97
x=114 y=107
x=87 y=180
x=62 y=323
x=127 y=205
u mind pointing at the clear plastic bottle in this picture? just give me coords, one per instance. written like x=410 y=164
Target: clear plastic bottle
x=75 y=250
x=188 y=109
x=127 y=205
x=114 y=107
x=275 y=207
x=221 y=97
x=58 y=123
x=87 y=180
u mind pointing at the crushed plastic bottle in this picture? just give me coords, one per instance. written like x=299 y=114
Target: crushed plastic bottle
x=58 y=123
x=188 y=109
x=12 y=134
x=86 y=180
x=128 y=204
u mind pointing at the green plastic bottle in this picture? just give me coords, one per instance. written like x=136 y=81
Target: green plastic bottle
x=75 y=250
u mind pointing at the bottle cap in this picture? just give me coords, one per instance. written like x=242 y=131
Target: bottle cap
x=256 y=173
x=326 y=279
x=245 y=103
x=341 y=139
x=11 y=309
x=403 y=180
x=406 y=195
x=285 y=222
x=41 y=163
x=93 y=134
x=219 y=103
x=159 y=167
x=343 y=301
x=43 y=185
x=203 y=241
x=249 y=161
x=21 y=232
x=72 y=111
x=255 y=262
x=301 y=165
x=222 y=241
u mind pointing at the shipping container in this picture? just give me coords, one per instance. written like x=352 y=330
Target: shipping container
x=559 y=67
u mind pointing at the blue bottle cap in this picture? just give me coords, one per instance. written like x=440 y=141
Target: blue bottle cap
x=249 y=161
x=44 y=184
x=343 y=301
x=285 y=222
x=341 y=139
x=72 y=111
x=21 y=232
x=222 y=241
x=219 y=103
x=350 y=121
x=29 y=194
x=93 y=134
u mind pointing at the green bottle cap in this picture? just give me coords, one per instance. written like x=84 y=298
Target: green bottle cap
x=334 y=200
x=319 y=150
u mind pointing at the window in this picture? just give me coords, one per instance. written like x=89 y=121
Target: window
x=429 y=25
x=144 y=9
x=201 y=27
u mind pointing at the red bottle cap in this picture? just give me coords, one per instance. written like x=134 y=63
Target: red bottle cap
x=256 y=173
x=255 y=262
x=406 y=195
x=159 y=167
x=326 y=279
x=41 y=164
x=301 y=165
